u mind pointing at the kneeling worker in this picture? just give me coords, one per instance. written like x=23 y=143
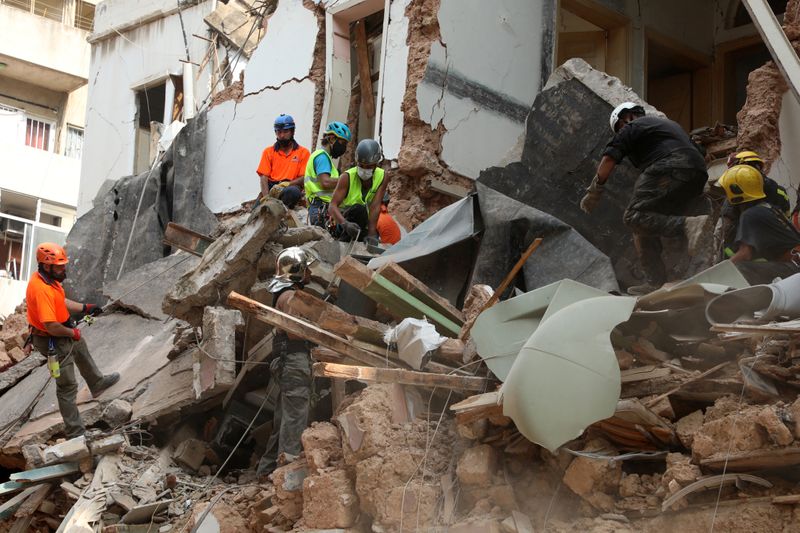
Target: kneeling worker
x=54 y=332
x=281 y=169
x=767 y=244
x=322 y=175
x=356 y=202
x=291 y=367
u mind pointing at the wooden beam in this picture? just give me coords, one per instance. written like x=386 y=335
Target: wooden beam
x=400 y=277
x=698 y=377
x=304 y=329
x=403 y=377
x=353 y=272
x=10 y=487
x=34 y=501
x=364 y=70
x=762 y=329
x=334 y=319
x=478 y=407
x=185 y=239
x=43 y=474
x=8 y=508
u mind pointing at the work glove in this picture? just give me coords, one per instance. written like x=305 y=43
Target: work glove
x=76 y=334
x=277 y=190
x=91 y=309
x=592 y=197
x=372 y=240
x=351 y=229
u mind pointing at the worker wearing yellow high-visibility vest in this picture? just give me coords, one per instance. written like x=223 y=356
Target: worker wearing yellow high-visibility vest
x=356 y=201
x=322 y=175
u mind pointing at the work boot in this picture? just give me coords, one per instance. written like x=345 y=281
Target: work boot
x=641 y=290
x=698 y=231
x=104 y=383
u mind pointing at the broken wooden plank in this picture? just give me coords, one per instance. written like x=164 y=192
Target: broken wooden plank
x=334 y=319
x=144 y=513
x=400 y=277
x=364 y=70
x=643 y=373
x=34 y=501
x=70 y=490
x=399 y=303
x=185 y=239
x=478 y=407
x=698 y=377
x=304 y=330
x=10 y=487
x=755 y=460
x=43 y=474
x=403 y=377
x=8 y=508
x=21 y=525
x=758 y=329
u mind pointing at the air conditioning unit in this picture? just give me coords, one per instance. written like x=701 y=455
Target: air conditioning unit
x=12 y=228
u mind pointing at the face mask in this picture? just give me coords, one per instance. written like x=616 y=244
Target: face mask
x=365 y=173
x=338 y=149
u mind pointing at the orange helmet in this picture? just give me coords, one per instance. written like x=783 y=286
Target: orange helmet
x=51 y=253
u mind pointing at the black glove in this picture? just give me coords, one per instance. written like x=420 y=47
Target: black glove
x=91 y=309
x=351 y=229
x=372 y=240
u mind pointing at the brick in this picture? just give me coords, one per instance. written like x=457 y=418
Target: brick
x=477 y=465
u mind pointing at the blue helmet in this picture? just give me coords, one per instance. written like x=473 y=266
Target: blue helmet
x=339 y=129
x=284 y=122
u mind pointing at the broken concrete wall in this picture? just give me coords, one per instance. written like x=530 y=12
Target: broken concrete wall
x=277 y=80
x=142 y=56
x=471 y=86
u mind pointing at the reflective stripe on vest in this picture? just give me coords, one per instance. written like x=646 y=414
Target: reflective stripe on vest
x=311 y=183
x=354 y=196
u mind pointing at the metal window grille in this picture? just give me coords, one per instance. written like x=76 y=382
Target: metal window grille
x=84 y=15
x=74 y=142
x=37 y=134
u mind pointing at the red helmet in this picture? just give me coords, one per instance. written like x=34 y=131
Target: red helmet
x=51 y=253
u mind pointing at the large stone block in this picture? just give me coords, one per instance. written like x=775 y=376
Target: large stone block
x=214 y=367
x=329 y=500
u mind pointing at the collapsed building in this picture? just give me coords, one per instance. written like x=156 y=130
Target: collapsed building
x=564 y=406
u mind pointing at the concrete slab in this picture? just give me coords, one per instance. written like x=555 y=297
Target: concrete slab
x=153 y=280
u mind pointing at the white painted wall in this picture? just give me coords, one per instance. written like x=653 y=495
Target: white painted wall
x=118 y=65
x=786 y=170
x=40 y=174
x=114 y=13
x=238 y=133
x=394 y=79
x=477 y=138
x=286 y=51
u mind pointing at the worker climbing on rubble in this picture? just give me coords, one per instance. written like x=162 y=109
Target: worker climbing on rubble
x=673 y=174
x=776 y=195
x=283 y=165
x=321 y=174
x=388 y=228
x=356 y=201
x=291 y=365
x=767 y=244
x=54 y=334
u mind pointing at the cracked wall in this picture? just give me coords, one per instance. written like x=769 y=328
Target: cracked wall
x=278 y=79
x=119 y=64
x=481 y=89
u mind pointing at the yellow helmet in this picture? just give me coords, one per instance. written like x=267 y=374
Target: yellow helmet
x=742 y=183
x=748 y=157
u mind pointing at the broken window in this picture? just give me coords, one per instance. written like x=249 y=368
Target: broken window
x=738 y=64
x=150 y=116
x=366 y=38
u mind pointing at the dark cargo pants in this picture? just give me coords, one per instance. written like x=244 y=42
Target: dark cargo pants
x=661 y=197
x=70 y=353
x=292 y=371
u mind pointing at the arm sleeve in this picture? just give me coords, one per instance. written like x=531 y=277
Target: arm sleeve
x=301 y=171
x=265 y=165
x=751 y=228
x=620 y=145
x=322 y=164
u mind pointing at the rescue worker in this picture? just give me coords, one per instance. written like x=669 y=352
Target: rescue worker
x=767 y=244
x=388 y=228
x=291 y=367
x=356 y=201
x=283 y=165
x=673 y=174
x=321 y=174
x=54 y=332
x=776 y=195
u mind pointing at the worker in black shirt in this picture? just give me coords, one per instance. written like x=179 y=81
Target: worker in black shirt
x=767 y=244
x=776 y=195
x=673 y=174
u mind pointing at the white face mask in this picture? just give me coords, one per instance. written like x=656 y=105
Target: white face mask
x=365 y=173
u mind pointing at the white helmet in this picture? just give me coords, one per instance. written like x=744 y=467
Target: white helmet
x=627 y=106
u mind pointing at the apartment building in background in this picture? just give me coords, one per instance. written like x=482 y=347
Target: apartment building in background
x=44 y=67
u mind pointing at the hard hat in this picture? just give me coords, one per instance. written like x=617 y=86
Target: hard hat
x=284 y=122
x=290 y=268
x=51 y=253
x=742 y=183
x=368 y=152
x=747 y=157
x=339 y=129
x=627 y=106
